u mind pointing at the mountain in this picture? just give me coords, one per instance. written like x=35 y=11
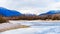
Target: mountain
x=51 y=12
x=54 y=12
x=51 y=15
x=7 y=12
x=29 y=14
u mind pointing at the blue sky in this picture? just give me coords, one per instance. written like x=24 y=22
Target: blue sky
x=30 y=6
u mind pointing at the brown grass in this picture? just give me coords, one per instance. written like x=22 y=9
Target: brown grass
x=3 y=20
x=44 y=17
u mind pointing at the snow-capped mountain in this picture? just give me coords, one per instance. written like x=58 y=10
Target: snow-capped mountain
x=29 y=14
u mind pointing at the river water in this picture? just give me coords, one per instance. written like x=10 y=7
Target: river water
x=36 y=27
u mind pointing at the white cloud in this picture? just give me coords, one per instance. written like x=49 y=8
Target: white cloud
x=14 y=4
x=36 y=11
x=2 y=2
x=54 y=6
x=27 y=6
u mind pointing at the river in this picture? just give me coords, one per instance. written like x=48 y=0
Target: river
x=36 y=27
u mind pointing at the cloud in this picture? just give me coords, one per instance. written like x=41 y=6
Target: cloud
x=54 y=6
x=26 y=3
x=2 y=2
x=27 y=6
x=36 y=11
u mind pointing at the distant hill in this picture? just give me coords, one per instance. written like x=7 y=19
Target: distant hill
x=7 y=12
x=28 y=14
x=51 y=12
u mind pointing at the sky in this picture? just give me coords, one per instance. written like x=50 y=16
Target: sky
x=31 y=6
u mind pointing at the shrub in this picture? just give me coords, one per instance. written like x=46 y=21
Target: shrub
x=56 y=17
x=2 y=19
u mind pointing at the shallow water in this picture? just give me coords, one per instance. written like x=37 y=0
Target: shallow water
x=37 y=27
x=37 y=23
x=41 y=30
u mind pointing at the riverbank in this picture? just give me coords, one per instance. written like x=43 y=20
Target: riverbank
x=11 y=26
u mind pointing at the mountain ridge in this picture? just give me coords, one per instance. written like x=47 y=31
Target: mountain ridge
x=7 y=12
